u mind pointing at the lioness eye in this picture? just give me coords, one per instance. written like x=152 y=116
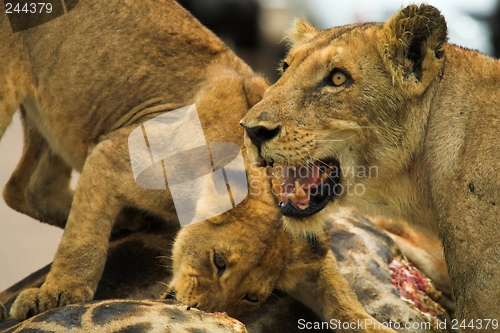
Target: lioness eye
x=219 y=263
x=252 y=298
x=338 y=78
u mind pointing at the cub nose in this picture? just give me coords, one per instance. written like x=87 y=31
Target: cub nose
x=261 y=134
x=171 y=295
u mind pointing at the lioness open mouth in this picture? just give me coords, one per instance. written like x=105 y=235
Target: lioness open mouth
x=305 y=190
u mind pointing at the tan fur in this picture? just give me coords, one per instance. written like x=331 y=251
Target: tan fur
x=86 y=80
x=424 y=112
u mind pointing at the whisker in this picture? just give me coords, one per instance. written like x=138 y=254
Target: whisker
x=333 y=140
x=169 y=243
x=273 y=294
x=163 y=257
x=163 y=283
x=305 y=160
x=343 y=129
x=310 y=155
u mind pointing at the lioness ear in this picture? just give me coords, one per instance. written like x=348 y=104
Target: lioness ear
x=301 y=32
x=255 y=86
x=412 y=37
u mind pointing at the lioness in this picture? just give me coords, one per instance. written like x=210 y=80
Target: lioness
x=85 y=81
x=391 y=119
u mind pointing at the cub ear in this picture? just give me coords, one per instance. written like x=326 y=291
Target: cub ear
x=255 y=86
x=301 y=32
x=413 y=37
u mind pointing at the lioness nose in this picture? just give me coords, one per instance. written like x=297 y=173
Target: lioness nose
x=261 y=134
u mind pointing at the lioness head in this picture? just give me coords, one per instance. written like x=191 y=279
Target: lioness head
x=230 y=267
x=348 y=111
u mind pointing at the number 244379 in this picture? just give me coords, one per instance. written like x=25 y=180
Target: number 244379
x=28 y=8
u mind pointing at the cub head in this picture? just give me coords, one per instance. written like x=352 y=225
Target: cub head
x=230 y=267
x=348 y=111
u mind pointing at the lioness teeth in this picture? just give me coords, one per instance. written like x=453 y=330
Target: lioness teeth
x=301 y=194
x=302 y=205
x=276 y=186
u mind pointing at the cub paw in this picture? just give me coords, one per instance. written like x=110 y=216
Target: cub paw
x=3 y=312
x=33 y=301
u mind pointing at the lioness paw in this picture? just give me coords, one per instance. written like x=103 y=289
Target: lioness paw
x=33 y=301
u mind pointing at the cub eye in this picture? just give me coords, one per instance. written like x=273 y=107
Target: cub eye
x=284 y=66
x=338 y=78
x=251 y=298
x=219 y=263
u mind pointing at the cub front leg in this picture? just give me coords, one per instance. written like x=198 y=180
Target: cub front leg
x=81 y=255
x=331 y=297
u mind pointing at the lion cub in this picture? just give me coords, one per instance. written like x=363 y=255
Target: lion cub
x=391 y=119
x=84 y=82
x=233 y=262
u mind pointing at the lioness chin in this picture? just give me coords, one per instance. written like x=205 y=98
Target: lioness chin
x=84 y=82
x=391 y=119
